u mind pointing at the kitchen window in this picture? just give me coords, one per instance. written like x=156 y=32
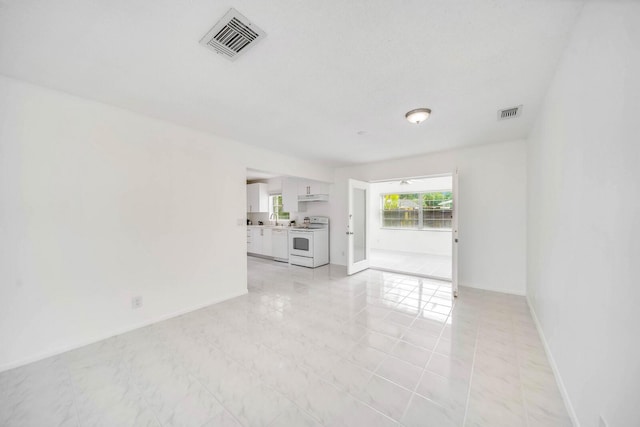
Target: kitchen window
x=417 y=211
x=275 y=207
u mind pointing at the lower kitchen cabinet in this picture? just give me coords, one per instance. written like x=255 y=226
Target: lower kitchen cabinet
x=267 y=250
x=259 y=241
x=253 y=240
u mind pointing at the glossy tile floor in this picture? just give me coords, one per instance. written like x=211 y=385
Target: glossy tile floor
x=306 y=347
x=436 y=266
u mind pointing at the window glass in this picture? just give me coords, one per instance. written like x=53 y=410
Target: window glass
x=432 y=210
x=437 y=209
x=275 y=208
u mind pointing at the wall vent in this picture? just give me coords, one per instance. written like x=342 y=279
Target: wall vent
x=510 y=113
x=233 y=35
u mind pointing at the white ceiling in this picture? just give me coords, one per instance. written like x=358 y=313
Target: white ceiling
x=327 y=69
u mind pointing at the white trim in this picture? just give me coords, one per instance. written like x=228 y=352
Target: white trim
x=437 y=230
x=83 y=343
x=554 y=368
x=522 y=293
x=426 y=276
x=438 y=175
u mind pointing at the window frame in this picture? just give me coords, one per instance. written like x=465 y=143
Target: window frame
x=272 y=206
x=421 y=219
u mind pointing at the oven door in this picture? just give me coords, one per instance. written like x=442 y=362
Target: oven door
x=301 y=243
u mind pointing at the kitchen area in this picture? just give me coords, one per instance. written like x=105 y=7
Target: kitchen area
x=287 y=219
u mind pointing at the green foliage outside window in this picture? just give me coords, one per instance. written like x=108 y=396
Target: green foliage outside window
x=275 y=207
x=417 y=210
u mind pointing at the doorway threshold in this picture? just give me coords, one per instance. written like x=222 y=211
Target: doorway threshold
x=409 y=273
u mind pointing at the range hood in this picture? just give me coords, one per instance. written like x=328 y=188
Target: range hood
x=313 y=198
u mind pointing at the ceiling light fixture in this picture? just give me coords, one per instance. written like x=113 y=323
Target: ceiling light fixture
x=418 y=115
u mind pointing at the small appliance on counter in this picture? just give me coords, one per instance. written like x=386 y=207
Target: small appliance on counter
x=249 y=222
x=260 y=223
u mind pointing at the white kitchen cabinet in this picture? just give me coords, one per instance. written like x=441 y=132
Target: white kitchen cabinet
x=280 y=244
x=267 y=248
x=290 y=195
x=257 y=197
x=254 y=240
x=306 y=187
x=259 y=241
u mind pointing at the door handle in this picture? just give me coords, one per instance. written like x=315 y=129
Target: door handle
x=349 y=233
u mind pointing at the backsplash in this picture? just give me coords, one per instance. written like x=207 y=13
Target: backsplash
x=312 y=209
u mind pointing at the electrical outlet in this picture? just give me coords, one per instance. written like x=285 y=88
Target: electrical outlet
x=136 y=302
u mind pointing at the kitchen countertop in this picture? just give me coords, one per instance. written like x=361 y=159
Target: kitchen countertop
x=286 y=227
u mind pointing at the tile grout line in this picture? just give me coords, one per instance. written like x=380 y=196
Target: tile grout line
x=75 y=393
x=135 y=385
x=522 y=393
x=316 y=374
x=195 y=377
x=424 y=369
x=265 y=385
x=372 y=373
x=214 y=398
x=473 y=365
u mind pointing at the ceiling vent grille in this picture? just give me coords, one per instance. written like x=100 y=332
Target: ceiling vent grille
x=510 y=113
x=232 y=36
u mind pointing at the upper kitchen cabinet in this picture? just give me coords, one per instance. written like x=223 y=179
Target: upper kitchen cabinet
x=312 y=191
x=307 y=187
x=257 y=197
x=290 y=195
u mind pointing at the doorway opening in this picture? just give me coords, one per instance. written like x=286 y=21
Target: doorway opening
x=411 y=226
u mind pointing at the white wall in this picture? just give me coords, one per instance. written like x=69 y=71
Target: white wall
x=98 y=204
x=435 y=242
x=492 y=207
x=584 y=216
x=417 y=241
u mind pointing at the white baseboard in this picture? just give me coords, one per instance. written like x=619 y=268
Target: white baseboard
x=554 y=368
x=491 y=289
x=121 y=331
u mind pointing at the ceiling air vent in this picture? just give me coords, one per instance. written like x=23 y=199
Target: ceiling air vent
x=510 y=113
x=233 y=35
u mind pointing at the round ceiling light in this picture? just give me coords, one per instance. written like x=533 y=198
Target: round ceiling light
x=418 y=115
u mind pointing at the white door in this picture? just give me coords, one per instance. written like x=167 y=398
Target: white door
x=454 y=235
x=357 y=225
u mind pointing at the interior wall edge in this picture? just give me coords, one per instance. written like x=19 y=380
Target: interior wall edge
x=554 y=367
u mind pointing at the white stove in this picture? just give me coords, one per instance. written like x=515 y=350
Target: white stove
x=309 y=245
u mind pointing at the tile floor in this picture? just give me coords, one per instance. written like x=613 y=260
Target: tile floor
x=436 y=266
x=306 y=347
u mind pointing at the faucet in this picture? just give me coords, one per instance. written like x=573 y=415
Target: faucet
x=274 y=215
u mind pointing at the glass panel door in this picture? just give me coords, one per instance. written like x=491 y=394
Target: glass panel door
x=358 y=247
x=454 y=235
